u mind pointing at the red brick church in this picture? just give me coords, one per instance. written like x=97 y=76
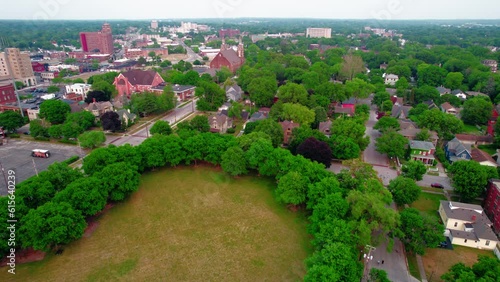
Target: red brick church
x=228 y=57
x=136 y=81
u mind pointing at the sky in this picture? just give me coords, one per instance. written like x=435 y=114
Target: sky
x=181 y=9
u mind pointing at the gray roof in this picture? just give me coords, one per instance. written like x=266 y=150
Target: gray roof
x=421 y=145
x=325 y=126
x=257 y=116
x=472 y=214
x=181 y=88
x=397 y=110
x=456 y=147
x=443 y=90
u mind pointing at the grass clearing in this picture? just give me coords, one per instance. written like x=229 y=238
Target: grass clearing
x=186 y=224
x=471 y=129
x=428 y=203
x=438 y=261
x=413 y=266
x=490 y=149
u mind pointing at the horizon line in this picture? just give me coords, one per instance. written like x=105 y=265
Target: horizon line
x=266 y=18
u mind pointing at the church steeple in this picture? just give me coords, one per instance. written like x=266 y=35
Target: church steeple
x=241 y=49
x=224 y=45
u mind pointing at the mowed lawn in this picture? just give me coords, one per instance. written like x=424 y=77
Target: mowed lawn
x=428 y=203
x=186 y=224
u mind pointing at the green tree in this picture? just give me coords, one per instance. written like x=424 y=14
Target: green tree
x=71 y=130
x=392 y=144
x=423 y=135
x=110 y=121
x=11 y=121
x=419 y=231
x=477 y=111
x=469 y=179
x=414 y=170
x=380 y=97
x=292 y=188
x=404 y=190
x=85 y=195
x=386 y=106
x=56 y=131
x=454 y=80
x=378 y=275
x=119 y=180
x=293 y=93
x=92 y=139
x=161 y=127
x=351 y=66
x=38 y=128
x=485 y=269
x=262 y=91
x=344 y=148
x=426 y=93
x=52 y=89
x=362 y=109
x=51 y=225
x=235 y=110
x=200 y=123
x=271 y=128
x=298 y=113
x=210 y=95
x=430 y=75
x=85 y=119
x=385 y=123
x=54 y=111
x=444 y=124
x=234 y=162
x=358 y=88
x=350 y=128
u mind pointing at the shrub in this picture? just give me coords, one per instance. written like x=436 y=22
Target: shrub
x=231 y=130
x=71 y=160
x=42 y=138
x=14 y=135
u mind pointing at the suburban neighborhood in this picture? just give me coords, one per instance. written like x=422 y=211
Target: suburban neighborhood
x=250 y=149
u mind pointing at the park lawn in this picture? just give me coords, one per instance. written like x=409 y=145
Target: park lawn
x=438 y=261
x=428 y=203
x=186 y=224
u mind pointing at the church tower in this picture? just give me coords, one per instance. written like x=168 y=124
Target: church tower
x=241 y=49
x=224 y=45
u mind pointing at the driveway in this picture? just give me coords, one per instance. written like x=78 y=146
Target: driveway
x=16 y=154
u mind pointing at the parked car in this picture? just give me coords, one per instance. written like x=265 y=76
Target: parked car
x=40 y=153
x=437 y=185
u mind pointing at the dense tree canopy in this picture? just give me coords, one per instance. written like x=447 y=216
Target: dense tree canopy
x=419 y=231
x=54 y=111
x=316 y=150
x=477 y=111
x=404 y=190
x=11 y=120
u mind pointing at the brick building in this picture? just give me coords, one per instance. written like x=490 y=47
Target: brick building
x=492 y=203
x=228 y=33
x=136 y=81
x=16 y=64
x=7 y=93
x=99 y=41
x=228 y=57
x=38 y=67
x=135 y=53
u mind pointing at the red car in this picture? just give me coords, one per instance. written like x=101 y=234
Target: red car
x=437 y=185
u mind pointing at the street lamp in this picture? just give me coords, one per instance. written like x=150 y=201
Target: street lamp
x=368 y=257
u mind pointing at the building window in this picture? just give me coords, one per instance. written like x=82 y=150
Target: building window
x=456 y=224
x=465 y=241
x=487 y=243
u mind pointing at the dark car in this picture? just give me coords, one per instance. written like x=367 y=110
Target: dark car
x=437 y=185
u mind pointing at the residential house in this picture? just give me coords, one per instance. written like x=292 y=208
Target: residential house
x=397 y=100
x=99 y=108
x=467 y=225
x=134 y=81
x=422 y=151
x=475 y=94
x=483 y=158
x=78 y=88
x=257 y=116
x=400 y=111
x=430 y=104
x=183 y=92
x=443 y=90
x=234 y=93
x=288 y=127
x=126 y=117
x=393 y=92
x=455 y=150
x=409 y=130
x=219 y=123
x=325 y=127
x=78 y=107
x=391 y=79
x=475 y=140
x=449 y=109
x=383 y=66
x=225 y=107
x=459 y=94
x=492 y=203
x=492 y=64
x=346 y=108
x=33 y=114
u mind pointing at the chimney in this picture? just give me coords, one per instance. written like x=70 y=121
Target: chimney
x=473 y=218
x=93 y=100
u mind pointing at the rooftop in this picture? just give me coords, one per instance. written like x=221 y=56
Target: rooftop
x=421 y=145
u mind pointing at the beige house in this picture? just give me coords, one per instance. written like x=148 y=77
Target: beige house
x=99 y=108
x=467 y=225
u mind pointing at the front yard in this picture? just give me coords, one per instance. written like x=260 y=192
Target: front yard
x=428 y=203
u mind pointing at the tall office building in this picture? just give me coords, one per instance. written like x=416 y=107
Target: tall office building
x=314 y=32
x=20 y=66
x=99 y=41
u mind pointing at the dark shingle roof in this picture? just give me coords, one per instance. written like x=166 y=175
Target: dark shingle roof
x=140 y=77
x=231 y=56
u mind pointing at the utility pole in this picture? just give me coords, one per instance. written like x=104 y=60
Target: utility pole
x=34 y=166
x=4 y=177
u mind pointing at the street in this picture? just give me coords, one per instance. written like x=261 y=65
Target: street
x=139 y=136
x=192 y=56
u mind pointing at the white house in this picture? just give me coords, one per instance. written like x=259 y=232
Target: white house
x=78 y=88
x=467 y=225
x=391 y=79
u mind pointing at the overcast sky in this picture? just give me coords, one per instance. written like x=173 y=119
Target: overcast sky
x=329 y=9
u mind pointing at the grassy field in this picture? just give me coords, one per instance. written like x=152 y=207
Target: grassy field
x=413 y=266
x=186 y=224
x=438 y=261
x=428 y=203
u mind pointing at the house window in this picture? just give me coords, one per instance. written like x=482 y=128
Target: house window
x=456 y=224
x=487 y=243
x=465 y=241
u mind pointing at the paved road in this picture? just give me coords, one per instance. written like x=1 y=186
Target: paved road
x=192 y=56
x=17 y=154
x=139 y=136
x=429 y=179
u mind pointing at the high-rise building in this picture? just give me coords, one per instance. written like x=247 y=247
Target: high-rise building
x=99 y=41
x=16 y=65
x=315 y=32
x=154 y=24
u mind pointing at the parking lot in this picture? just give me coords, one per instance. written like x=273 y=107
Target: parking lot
x=16 y=154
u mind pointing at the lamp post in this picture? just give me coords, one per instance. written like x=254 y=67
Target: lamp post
x=368 y=257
